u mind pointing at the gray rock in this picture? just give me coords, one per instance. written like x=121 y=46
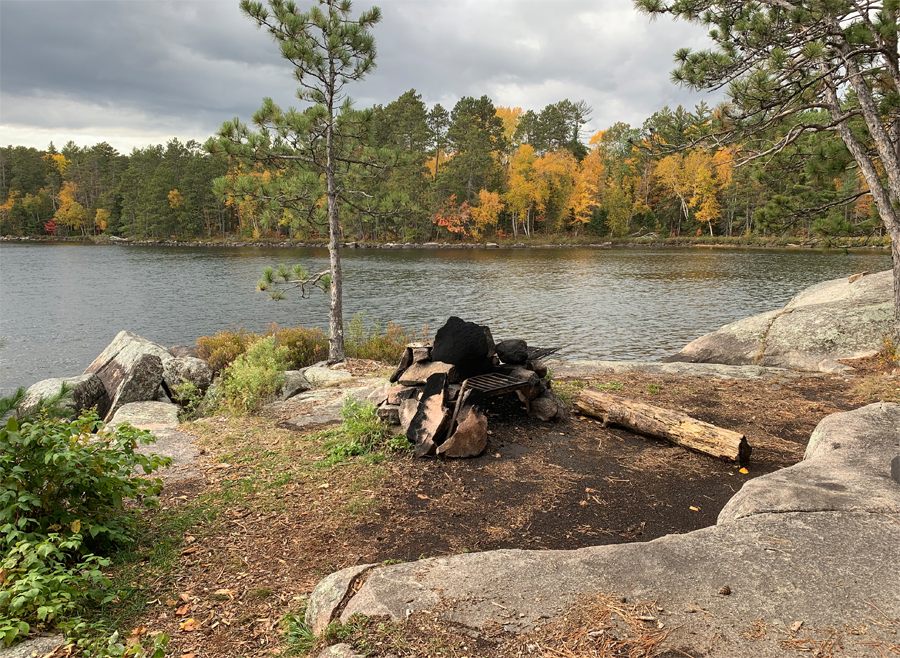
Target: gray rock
x=339 y=651
x=817 y=568
x=87 y=391
x=329 y=594
x=389 y=413
x=470 y=437
x=323 y=377
x=513 y=351
x=420 y=354
x=380 y=395
x=42 y=645
x=418 y=373
x=545 y=407
x=181 y=351
x=146 y=415
x=179 y=370
x=895 y=469
x=539 y=367
x=131 y=369
x=846 y=468
x=588 y=368
x=295 y=382
x=827 y=322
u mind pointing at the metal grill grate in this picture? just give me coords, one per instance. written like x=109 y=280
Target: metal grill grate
x=535 y=353
x=494 y=384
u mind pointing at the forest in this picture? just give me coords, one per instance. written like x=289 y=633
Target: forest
x=476 y=172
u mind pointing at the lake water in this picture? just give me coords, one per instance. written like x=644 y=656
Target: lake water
x=60 y=305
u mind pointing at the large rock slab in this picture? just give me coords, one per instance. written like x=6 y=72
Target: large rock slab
x=330 y=594
x=87 y=391
x=847 y=467
x=839 y=319
x=42 y=645
x=323 y=377
x=161 y=420
x=824 y=569
x=418 y=373
x=470 y=437
x=590 y=368
x=131 y=369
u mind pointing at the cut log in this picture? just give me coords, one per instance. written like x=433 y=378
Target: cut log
x=666 y=424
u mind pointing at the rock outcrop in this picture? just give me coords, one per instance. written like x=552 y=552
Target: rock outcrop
x=839 y=319
x=85 y=392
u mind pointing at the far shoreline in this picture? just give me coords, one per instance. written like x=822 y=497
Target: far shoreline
x=718 y=242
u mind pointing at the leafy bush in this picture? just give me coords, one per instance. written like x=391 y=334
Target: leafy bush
x=58 y=476
x=46 y=580
x=62 y=489
x=304 y=346
x=221 y=350
x=254 y=377
x=362 y=433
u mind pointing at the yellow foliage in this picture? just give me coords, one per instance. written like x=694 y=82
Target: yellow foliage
x=70 y=213
x=101 y=218
x=59 y=161
x=487 y=211
x=175 y=199
x=510 y=117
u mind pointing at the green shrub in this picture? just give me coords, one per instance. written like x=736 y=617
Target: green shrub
x=221 y=350
x=62 y=489
x=304 y=346
x=48 y=580
x=254 y=377
x=58 y=476
x=362 y=433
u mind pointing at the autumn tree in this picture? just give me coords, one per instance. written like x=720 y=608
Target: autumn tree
x=781 y=59
x=328 y=49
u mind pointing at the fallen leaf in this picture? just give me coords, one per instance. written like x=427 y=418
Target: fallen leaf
x=695 y=509
x=422 y=496
x=183 y=610
x=189 y=539
x=188 y=655
x=796 y=626
x=75 y=526
x=227 y=592
x=184 y=596
x=189 y=625
x=192 y=549
x=744 y=471
x=589 y=490
x=324 y=485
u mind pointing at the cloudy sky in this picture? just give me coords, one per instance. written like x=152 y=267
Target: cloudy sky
x=137 y=72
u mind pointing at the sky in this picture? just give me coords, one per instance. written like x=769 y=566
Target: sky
x=140 y=72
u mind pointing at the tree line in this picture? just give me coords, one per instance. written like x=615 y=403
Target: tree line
x=475 y=172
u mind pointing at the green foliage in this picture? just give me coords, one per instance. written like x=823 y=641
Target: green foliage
x=59 y=476
x=362 y=433
x=254 y=377
x=298 y=635
x=48 y=580
x=223 y=348
x=365 y=342
x=7 y=404
x=62 y=493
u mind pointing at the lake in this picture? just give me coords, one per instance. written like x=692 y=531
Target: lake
x=60 y=305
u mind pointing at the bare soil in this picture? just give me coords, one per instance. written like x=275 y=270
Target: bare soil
x=276 y=522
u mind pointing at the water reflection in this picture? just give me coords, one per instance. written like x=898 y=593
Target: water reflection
x=60 y=305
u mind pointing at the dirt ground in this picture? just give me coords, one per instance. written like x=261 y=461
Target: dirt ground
x=276 y=522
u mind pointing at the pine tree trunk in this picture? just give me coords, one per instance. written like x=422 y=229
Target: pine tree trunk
x=336 y=310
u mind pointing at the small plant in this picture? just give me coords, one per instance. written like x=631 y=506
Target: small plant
x=610 y=386
x=362 y=433
x=254 y=377
x=653 y=389
x=889 y=354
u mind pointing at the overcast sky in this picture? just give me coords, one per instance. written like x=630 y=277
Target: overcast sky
x=139 y=72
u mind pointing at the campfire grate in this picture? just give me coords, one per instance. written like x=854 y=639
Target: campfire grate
x=535 y=353
x=494 y=384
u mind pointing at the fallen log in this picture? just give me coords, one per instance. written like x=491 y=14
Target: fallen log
x=666 y=424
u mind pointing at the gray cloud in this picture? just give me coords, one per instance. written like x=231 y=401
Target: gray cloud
x=135 y=72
